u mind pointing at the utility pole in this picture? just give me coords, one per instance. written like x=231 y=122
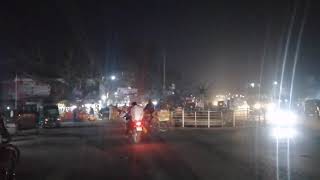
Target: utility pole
x=16 y=92
x=164 y=71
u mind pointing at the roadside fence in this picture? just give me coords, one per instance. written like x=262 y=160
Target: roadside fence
x=208 y=118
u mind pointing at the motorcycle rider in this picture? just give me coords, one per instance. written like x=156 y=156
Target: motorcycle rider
x=128 y=117
x=148 y=111
x=149 y=107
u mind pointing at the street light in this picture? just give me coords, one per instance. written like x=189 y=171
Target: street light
x=274 y=87
x=154 y=102
x=252 y=85
x=113 y=77
x=257 y=106
x=104 y=97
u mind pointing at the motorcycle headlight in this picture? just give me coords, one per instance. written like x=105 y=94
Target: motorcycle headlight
x=282 y=118
x=283 y=133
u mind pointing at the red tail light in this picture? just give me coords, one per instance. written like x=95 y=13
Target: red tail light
x=138 y=123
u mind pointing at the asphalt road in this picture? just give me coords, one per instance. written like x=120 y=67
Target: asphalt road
x=104 y=153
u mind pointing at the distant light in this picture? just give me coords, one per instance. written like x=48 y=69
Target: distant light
x=257 y=106
x=115 y=93
x=286 y=100
x=252 y=85
x=129 y=87
x=155 y=102
x=73 y=107
x=275 y=82
x=113 y=77
x=8 y=107
x=215 y=103
x=244 y=106
x=104 y=97
x=271 y=106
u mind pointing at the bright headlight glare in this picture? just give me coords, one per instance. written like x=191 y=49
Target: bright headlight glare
x=282 y=118
x=283 y=133
x=271 y=106
x=257 y=106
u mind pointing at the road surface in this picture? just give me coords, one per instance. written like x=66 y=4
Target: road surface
x=186 y=154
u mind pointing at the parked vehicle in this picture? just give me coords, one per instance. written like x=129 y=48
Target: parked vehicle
x=49 y=117
x=26 y=117
x=104 y=113
x=312 y=107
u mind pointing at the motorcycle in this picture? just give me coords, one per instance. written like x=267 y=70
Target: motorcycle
x=137 y=131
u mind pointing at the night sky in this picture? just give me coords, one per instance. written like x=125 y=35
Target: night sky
x=220 y=42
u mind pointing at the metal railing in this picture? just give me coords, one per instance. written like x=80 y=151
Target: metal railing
x=243 y=117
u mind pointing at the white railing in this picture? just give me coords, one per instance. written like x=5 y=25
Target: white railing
x=215 y=118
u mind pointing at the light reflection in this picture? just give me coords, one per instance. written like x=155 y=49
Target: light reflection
x=283 y=142
x=277 y=158
x=288 y=159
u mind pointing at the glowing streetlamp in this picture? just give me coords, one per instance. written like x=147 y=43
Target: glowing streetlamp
x=275 y=83
x=113 y=77
x=252 y=85
x=154 y=102
x=104 y=97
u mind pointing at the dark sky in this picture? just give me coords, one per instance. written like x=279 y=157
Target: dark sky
x=217 y=41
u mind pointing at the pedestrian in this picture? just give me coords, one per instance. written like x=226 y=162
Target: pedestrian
x=75 y=114
x=91 y=111
x=3 y=130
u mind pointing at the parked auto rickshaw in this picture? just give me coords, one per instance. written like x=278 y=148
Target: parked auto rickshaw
x=49 y=116
x=26 y=117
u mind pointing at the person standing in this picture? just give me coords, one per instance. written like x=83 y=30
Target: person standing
x=75 y=114
x=3 y=130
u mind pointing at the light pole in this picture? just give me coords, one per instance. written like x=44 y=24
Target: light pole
x=274 y=89
x=103 y=98
x=112 y=78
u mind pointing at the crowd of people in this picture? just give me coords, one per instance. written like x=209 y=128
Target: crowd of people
x=149 y=114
